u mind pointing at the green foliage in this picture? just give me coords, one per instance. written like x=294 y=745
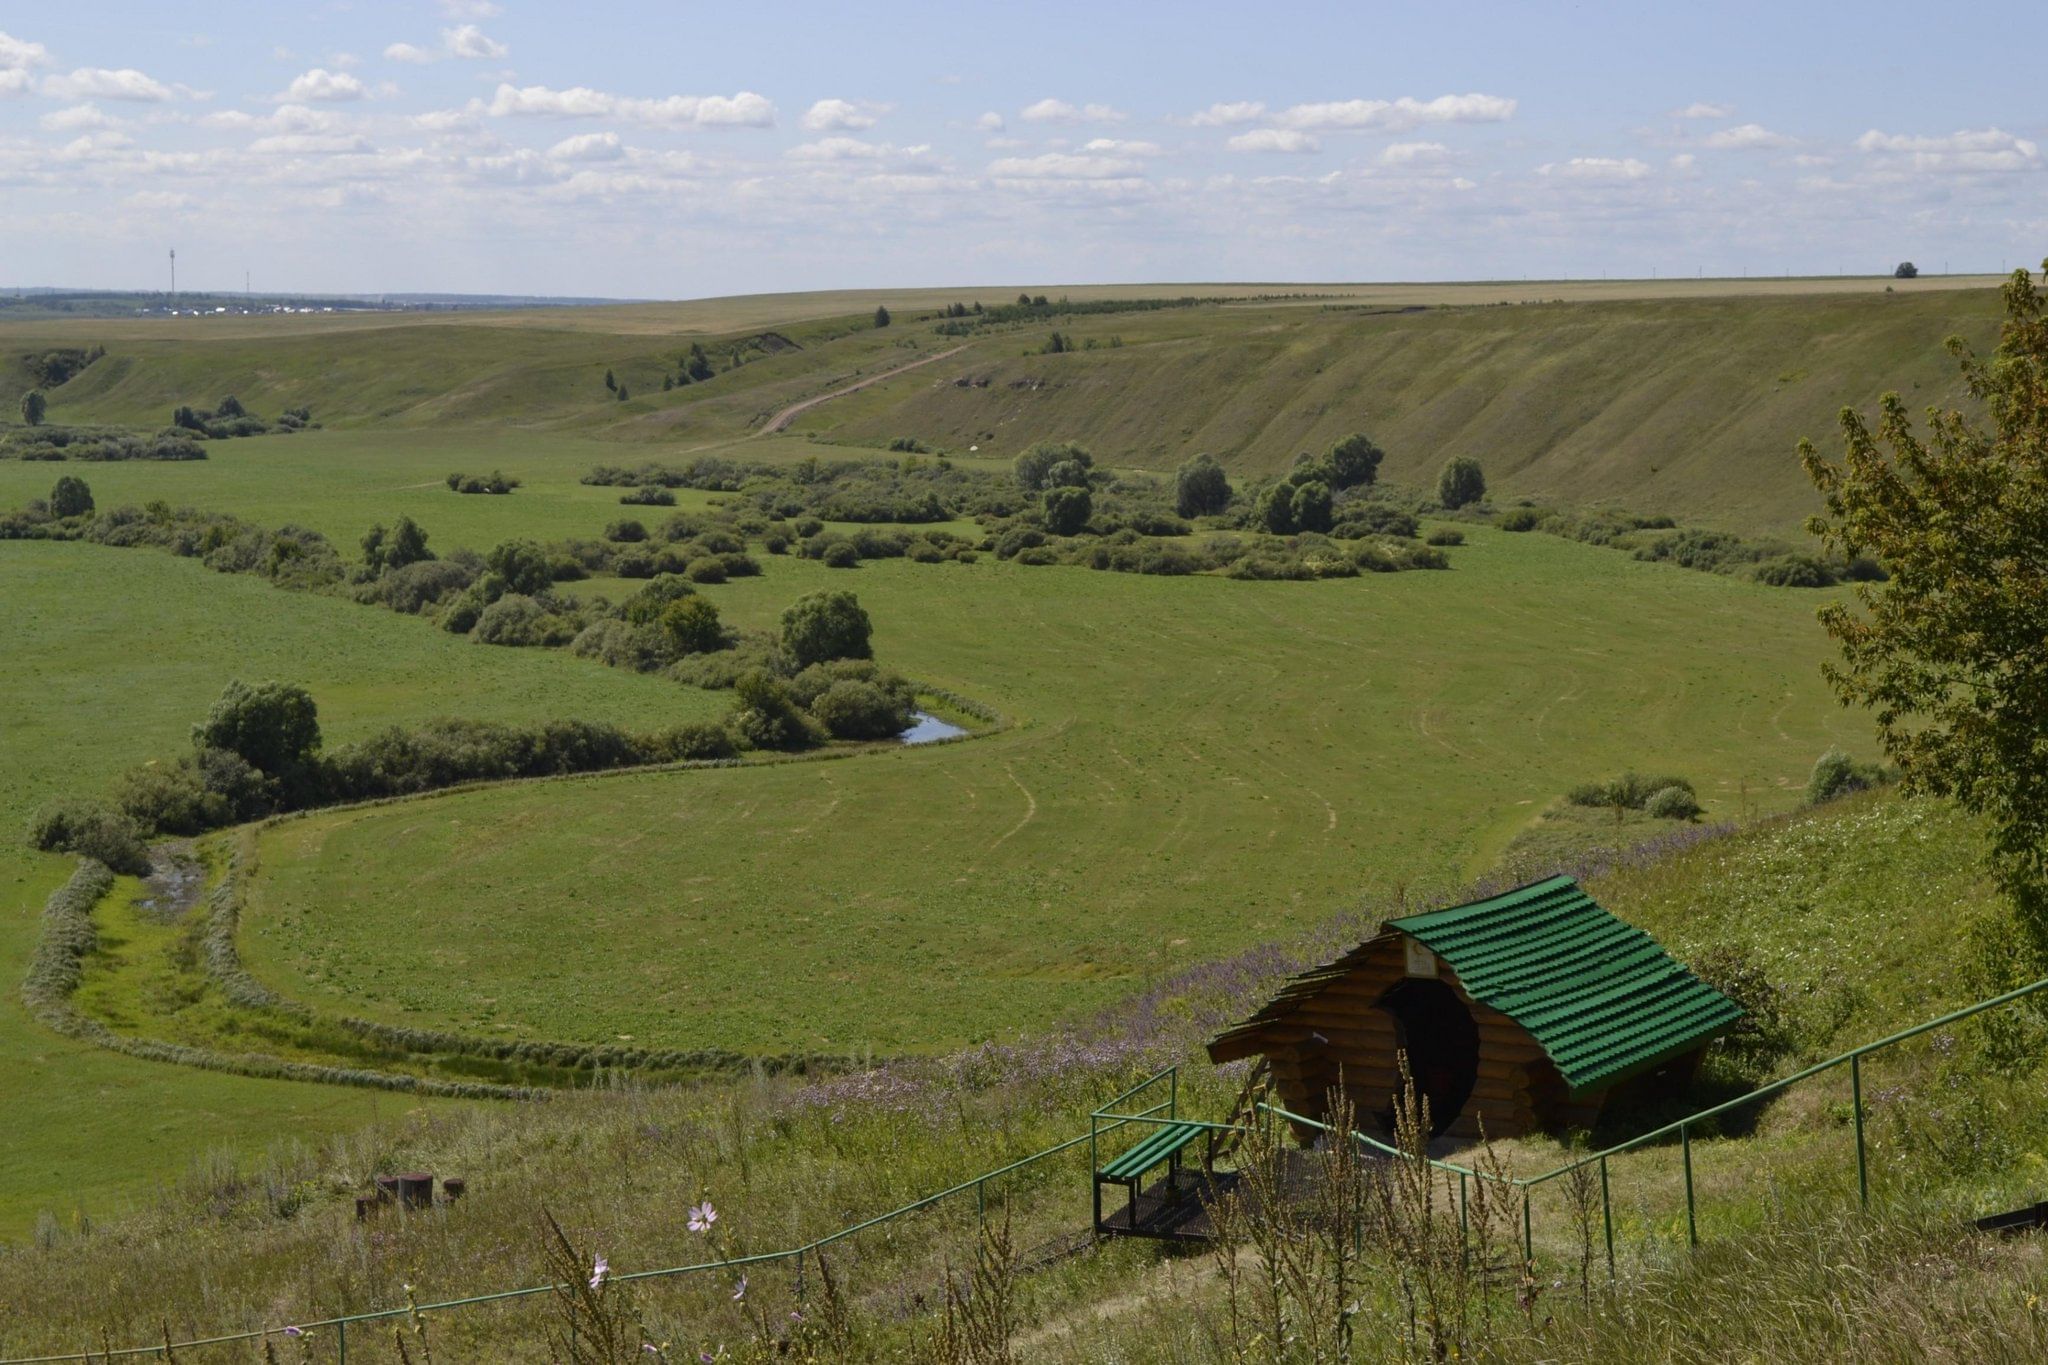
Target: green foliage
x=1905 y=270
x=1067 y=510
x=822 y=626
x=91 y=831
x=1201 y=488
x=1523 y=519
x=522 y=566
x=692 y=627
x=1947 y=654
x=1672 y=803
x=33 y=406
x=405 y=544
x=648 y=495
x=1462 y=482
x=1353 y=462
x=493 y=482
x=1631 y=790
x=881 y=316
x=765 y=716
x=70 y=498
x=273 y=726
x=518 y=621
x=1274 y=510
x=1795 y=571
x=1836 y=774
x=1444 y=535
x=1313 y=507
x=1034 y=467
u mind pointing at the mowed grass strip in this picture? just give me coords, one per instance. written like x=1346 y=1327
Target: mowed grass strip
x=110 y=657
x=1203 y=764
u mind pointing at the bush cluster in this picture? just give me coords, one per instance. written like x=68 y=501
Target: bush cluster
x=101 y=447
x=229 y=418
x=1638 y=791
x=493 y=482
x=1836 y=774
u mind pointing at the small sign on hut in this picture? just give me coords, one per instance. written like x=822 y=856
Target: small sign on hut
x=1526 y=1010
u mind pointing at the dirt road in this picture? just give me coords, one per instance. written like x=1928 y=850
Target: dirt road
x=789 y=414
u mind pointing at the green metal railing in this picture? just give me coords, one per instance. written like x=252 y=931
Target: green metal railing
x=341 y=1324
x=1683 y=1128
x=1108 y=1119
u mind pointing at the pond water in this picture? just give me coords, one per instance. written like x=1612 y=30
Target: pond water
x=925 y=728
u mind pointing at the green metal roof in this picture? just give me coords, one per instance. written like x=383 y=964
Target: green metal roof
x=1601 y=997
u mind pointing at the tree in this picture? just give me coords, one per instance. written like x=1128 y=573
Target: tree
x=1201 y=488
x=1023 y=300
x=881 y=316
x=691 y=624
x=1462 y=482
x=70 y=498
x=1314 y=508
x=408 y=545
x=1067 y=510
x=1906 y=271
x=1034 y=467
x=826 y=625
x=273 y=726
x=611 y=381
x=1353 y=462
x=33 y=406
x=623 y=395
x=1274 y=510
x=524 y=567
x=1067 y=474
x=1947 y=652
x=230 y=406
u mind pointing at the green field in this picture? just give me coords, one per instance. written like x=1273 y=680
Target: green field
x=1195 y=765
x=112 y=655
x=1172 y=793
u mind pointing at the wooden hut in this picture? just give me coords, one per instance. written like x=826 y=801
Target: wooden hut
x=1522 y=1011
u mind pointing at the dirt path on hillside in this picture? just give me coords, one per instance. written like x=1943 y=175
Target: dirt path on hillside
x=790 y=413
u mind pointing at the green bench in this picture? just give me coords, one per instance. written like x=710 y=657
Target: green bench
x=1163 y=1144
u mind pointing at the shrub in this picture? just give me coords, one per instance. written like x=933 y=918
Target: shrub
x=1795 y=571
x=1313 y=506
x=1632 y=790
x=696 y=740
x=1520 y=519
x=91 y=831
x=1462 y=482
x=625 y=531
x=493 y=482
x=826 y=625
x=1274 y=510
x=1067 y=510
x=1444 y=535
x=862 y=710
x=1201 y=488
x=620 y=644
x=709 y=569
x=523 y=566
x=1034 y=467
x=840 y=554
x=775 y=543
x=647 y=606
x=1372 y=519
x=1672 y=803
x=1352 y=462
x=691 y=626
x=517 y=620
x=765 y=716
x=70 y=498
x=1765 y=1034
x=273 y=726
x=649 y=495
x=1836 y=774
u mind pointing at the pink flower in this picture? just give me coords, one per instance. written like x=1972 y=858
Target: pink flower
x=295 y=1331
x=600 y=1271
x=702 y=1216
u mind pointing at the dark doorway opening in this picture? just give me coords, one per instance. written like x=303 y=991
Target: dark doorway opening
x=1433 y=1026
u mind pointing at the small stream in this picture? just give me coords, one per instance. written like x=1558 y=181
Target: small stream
x=926 y=728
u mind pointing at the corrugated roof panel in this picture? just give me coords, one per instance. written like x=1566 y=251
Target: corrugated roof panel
x=1600 y=997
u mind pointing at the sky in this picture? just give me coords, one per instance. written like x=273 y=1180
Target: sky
x=685 y=149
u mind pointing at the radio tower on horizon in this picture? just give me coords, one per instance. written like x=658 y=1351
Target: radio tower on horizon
x=174 y=274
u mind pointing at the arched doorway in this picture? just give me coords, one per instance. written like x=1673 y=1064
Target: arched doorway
x=1434 y=1027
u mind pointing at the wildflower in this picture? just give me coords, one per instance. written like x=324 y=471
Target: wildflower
x=600 y=1271
x=295 y=1331
x=740 y=1292
x=702 y=1216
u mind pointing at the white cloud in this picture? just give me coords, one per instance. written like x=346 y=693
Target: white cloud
x=1274 y=140
x=406 y=52
x=990 y=122
x=471 y=9
x=830 y=115
x=1397 y=115
x=323 y=86
x=1684 y=161
x=77 y=118
x=18 y=54
x=1987 y=149
x=588 y=147
x=1059 y=111
x=1112 y=146
x=1596 y=168
x=744 y=110
x=472 y=44
x=158 y=201
x=1748 y=137
x=1414 y=153
x=96 y=82
x=1701 y=109
x=1229 y=115
x=444 y=120
x=836 y=149
x=1063 y=166
x=13 y=82
x=310 y=144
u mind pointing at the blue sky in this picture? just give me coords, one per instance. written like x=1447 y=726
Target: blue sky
x=683 y=149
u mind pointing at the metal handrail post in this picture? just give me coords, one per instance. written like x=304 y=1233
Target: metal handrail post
x=1856 y=1102
x=1692 y=1226
x=1607 y=1216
